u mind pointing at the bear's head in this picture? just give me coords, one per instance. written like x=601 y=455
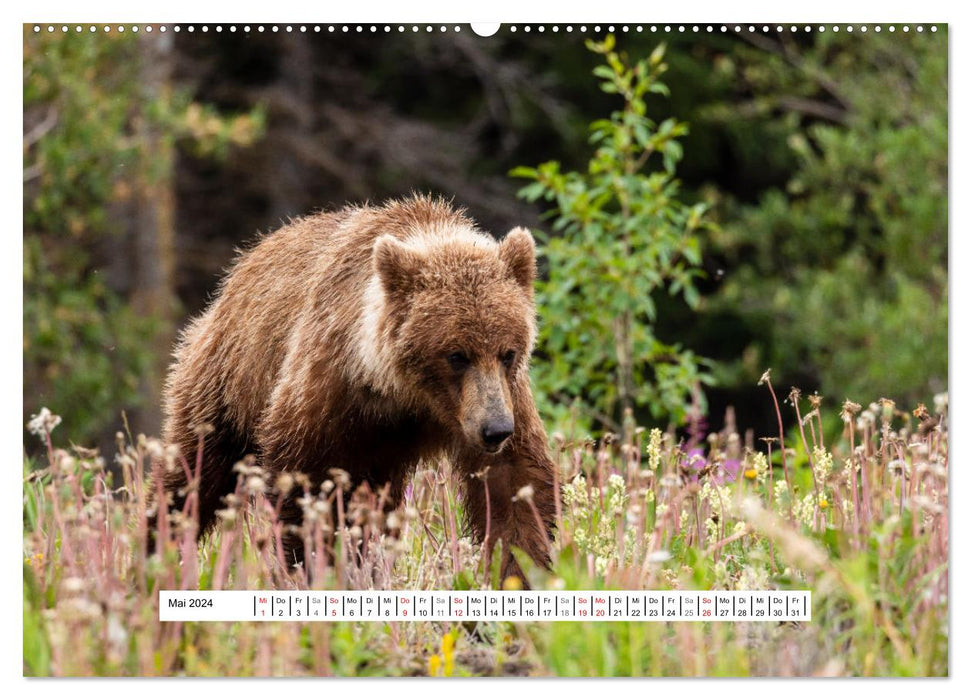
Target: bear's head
x=459 y=327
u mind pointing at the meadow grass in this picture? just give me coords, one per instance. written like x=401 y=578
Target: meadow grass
x=853 y=509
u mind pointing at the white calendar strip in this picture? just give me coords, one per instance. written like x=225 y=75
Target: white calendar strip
x=511 y=606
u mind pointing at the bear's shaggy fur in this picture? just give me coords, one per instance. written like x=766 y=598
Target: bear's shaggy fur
x=369 y=339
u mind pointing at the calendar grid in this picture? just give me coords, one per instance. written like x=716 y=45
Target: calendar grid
x=493 y=606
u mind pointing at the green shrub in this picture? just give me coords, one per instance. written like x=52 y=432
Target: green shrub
x=624 y=237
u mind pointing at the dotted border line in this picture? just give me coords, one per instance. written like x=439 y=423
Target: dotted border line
x=428 y=28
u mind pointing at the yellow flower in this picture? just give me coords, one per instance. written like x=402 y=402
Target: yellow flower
x=448 y=652
x=434 y=665
x=512 y=583
x=823 y=503
x=750 y=473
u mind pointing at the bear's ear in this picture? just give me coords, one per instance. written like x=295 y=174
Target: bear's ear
x=518 y=251
x=396 y=264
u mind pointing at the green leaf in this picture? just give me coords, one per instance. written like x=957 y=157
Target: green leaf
x=657 y=55
x=524 y=171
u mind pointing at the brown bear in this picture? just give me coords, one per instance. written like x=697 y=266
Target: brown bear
x=369 y=339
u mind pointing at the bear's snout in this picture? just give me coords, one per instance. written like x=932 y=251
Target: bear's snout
x=495 y=432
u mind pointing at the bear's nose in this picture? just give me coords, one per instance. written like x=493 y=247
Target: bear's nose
x=494 y=433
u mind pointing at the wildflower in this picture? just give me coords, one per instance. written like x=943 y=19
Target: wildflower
x=848 y=469
x=575 y=493
x=823 y=503
x=804 y=510
x=434 y=665
x=43 y=423
x=822 y=464
x=448 y=652
x=750 y=473
x=781 y=493
x=654 y=450
x=761 y=465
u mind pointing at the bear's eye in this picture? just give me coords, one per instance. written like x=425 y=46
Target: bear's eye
x=508 y=358
x=458 y=361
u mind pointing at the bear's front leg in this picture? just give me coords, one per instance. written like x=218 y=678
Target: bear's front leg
x=510 y=496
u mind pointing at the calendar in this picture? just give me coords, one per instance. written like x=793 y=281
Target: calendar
x=493 y=606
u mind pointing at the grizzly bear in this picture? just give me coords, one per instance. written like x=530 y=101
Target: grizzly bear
x=370 y=339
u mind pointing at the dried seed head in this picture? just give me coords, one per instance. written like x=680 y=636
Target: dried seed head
x=154 y=448
x=284 y=484
x=524 y=494
x=850 y=409
x=341 y=478
x=227 y=515
x=43 y=423
x=255 y=484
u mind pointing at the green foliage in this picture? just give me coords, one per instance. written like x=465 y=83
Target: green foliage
x=623 y=238
x=843 y=274
x=87 y=159
x=81 y=346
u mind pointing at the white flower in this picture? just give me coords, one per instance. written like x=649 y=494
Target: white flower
x=654 y=450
